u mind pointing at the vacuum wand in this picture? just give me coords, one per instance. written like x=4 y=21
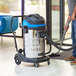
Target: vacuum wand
x=64 y=33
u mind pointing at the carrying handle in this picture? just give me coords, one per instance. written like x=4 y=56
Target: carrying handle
x=13 y=31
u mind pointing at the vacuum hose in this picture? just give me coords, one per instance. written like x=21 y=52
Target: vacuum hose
x=54 y=44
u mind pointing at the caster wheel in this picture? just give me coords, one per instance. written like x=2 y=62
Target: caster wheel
x=48 y=62
x=36 y=65
x=17 y=61
x=20 y=51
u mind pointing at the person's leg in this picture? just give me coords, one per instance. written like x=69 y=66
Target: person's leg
x=74 y=39
x=73 y=57
x=74 y=36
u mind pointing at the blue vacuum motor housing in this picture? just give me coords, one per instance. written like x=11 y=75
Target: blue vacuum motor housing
x=34 y=21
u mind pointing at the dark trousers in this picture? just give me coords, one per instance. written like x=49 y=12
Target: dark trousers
x=73 y=36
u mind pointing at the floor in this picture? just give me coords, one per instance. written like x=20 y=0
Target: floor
x=9 y=68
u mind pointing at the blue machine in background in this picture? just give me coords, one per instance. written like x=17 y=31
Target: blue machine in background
x=5 y=21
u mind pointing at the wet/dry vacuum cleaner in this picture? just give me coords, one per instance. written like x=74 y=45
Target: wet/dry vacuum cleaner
x=33 y=41
x=34 y=37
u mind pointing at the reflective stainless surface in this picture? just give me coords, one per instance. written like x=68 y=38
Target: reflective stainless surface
x=33 y=44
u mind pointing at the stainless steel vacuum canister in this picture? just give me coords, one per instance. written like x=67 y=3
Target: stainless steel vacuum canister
x=33 y=42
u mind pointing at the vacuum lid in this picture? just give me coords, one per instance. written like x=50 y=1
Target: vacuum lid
x=35 y=19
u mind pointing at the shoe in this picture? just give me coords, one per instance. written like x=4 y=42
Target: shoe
x=71 y=58
x=73 y=62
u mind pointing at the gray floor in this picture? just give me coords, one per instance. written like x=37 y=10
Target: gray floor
x=9 y=68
